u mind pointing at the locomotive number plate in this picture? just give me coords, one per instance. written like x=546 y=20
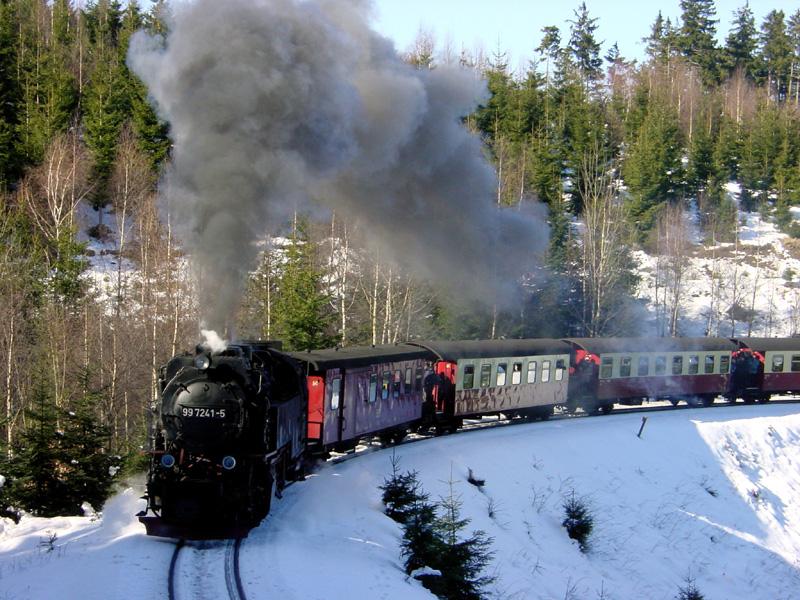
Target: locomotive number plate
x=203 y=413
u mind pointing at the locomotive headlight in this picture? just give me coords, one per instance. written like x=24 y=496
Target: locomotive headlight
x=202 y=361
x=167 y=461
x=228 y=463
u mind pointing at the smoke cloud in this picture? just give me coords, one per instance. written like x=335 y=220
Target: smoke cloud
x=283 y=104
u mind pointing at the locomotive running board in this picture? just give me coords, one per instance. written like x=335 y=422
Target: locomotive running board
x=155 y=526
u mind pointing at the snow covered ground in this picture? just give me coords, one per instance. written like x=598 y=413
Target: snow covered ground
x=712 y=494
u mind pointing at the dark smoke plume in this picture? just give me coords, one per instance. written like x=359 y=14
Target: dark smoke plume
x=280 y=104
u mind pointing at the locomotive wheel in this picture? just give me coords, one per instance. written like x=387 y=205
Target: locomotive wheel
x=765 y=398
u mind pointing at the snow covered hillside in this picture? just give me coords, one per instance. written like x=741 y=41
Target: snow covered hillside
x=711 y=494
x=760 y=275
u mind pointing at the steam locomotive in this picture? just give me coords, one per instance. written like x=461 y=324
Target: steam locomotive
x=232 y=428
x=228 y=431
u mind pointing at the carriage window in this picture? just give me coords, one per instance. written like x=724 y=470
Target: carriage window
x=407 y=386
x=486 y=375
x=387 y=378
x=643 y=368
x=677 y=365
x=469 y=377
x=709 y=364
x=516 y=373
x=560 y=368
x=661 y=365
x=625 y=366
x=398 y=378
x=501 y=374
x=373 y=387
x=795 y=363
x=777 y=363
x=724 y=364
x=694 y=365
x=546 y=371
x=607 y=367
x=418 y=381
x=335 y=386
x=532 y=367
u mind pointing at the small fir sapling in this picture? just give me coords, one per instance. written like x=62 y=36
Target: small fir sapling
x=578 y=521
x=401 y=492
x=689 y=591
x=462 y=561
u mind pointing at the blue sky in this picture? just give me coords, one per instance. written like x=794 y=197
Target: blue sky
x=516 y=24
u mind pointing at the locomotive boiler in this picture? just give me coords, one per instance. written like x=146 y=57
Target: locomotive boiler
x=228 y=432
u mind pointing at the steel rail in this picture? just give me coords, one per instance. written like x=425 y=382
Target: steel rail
x=172 y=564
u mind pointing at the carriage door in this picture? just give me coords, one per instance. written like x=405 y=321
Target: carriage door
x=332 y=428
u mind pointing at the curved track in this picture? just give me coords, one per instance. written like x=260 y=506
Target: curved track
x=233 y=580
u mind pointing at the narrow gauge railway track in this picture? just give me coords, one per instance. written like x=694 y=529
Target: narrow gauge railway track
x=477 y=424
x=233 y=580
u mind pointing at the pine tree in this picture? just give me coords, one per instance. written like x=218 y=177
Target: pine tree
x=9 y=92
x=657 y=43
x=776 y=55
x=740 y=45
x=36 y=472
x=697 y=37
x=653 y=167
x=107 y=102
x=91 y=469
x=701 y=162
x=421 y=546
x=401 y=492
x=461 y=561
x=152 y=134
x=302 y=312
x=584 y=47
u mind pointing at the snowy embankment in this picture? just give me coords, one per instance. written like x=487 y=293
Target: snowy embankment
x=713 y=494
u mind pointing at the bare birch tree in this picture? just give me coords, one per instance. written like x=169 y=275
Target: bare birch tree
x=601 y=265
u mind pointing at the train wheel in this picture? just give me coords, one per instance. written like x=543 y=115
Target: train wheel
x=749 y=400
x=765 y=398
x=707 y=400
x=674 y=401
x=606 y=409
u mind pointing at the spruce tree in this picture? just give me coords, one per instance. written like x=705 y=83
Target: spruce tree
x=462 y=561
x=740 y=45
x=775 y=55
x=302 y=312
x=401 y=492
x=697 y=37
x=9 y=92
x=657 y=43
x=653 y=169
x=90 y=472
x=584 y=47
x=421 y=546
x=36 y=471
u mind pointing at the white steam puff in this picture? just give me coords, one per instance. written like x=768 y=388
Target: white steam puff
x=276 y=104
x=212 y=341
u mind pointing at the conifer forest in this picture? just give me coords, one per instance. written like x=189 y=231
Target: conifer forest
x=95 y=289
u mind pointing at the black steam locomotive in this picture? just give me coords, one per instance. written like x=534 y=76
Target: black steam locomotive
x=227 y=434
